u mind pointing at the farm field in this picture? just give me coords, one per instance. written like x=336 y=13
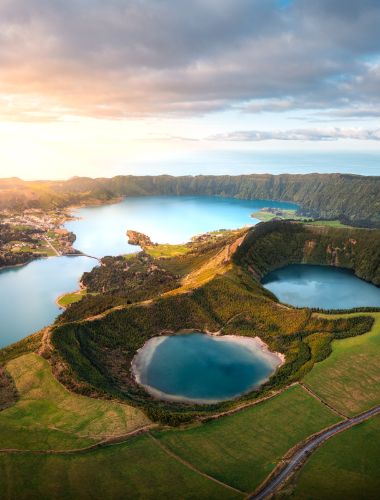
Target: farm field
x=47 y=416
x=242 y=449
x=349 y=379
x=347 y=465
x=136 y=469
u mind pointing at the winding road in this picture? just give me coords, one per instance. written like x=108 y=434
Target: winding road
x=301 y=454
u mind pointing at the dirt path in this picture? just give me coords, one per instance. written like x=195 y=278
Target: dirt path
x=243 y=406
x=115 y=440
x=191 y=467
x=318 y=398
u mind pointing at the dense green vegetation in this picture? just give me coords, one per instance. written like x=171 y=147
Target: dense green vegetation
x=346 y=197
x=24 y=235
x=8 y=391
x=123 y=280
x=97 y=353
x=137 y=278
x=345 y=467
x=91 y=356
x=277 y=243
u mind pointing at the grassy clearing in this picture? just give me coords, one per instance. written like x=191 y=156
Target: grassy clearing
x=47 y=416
x=267 y=215
x=136 y=469
x=70 y=298
x=328 y=223
x=349 y=379
x=346 y=466
x=166 y=251
x=242 y=449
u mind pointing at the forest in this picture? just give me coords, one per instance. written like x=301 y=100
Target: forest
x=93 y=356
x=349 y=198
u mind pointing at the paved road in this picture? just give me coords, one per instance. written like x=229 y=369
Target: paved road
x=301 y=454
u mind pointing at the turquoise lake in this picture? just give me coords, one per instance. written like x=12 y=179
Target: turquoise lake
x=202 y=368
x=166 y=219
x=28 y=293
x=304 y=285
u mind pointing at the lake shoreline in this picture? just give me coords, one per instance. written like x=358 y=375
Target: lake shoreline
x=144 y=355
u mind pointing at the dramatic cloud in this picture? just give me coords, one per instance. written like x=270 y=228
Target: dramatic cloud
x=326 y=134
x=121 y=58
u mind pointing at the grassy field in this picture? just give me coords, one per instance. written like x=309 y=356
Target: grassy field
x=47 y=416
x=345 y=467
x=327 y=223
x=70 y=298
x=136 y=469
x=159 y=251
x=349 y=379
x=242 y=449
x=267 y=215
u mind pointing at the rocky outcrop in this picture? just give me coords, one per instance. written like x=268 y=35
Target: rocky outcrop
x=140 y=239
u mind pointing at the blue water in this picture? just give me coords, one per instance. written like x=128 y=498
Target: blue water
x=305 y=285
x=101 y=230
x=28 y=294
x=202 y=368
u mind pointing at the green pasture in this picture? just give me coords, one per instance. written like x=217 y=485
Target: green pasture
x=243 y=448
x=349 y=379
x=47 y=416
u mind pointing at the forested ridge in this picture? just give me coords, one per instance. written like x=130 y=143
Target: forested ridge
x=349 y=198
x=93 y=357
x=274 y=244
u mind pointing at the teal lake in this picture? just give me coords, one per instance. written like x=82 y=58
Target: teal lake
x=305 y=285
x=165 y=219
x=202 y=368
x=28 y=293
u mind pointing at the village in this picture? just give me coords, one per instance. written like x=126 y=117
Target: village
x=33 y=233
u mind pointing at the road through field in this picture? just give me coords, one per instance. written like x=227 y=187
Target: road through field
x=302 y=453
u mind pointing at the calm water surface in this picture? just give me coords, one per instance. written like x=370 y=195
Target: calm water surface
x=319 y=286
x=166 y=219
x=202 y=368
x=28 y=293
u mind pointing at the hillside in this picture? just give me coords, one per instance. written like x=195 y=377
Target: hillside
x=274 y=244
x=94 y=341
x=350 y=198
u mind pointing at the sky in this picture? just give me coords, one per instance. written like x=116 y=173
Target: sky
x=97 y=88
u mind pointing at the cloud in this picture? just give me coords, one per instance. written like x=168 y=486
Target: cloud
x=124 y=58
x=312 y=134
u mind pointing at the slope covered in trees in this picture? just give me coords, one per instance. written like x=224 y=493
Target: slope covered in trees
x=94 y=356
x=349 y=198
x=274 y=244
